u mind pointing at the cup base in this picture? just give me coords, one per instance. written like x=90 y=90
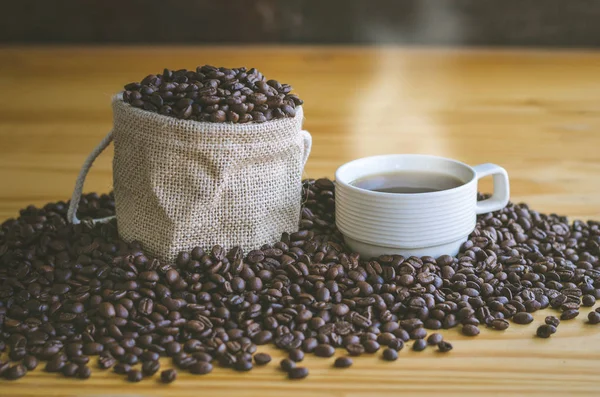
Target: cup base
x=367 y=250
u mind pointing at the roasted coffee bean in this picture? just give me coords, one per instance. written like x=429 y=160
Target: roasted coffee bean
x=189 y=92
x=298 y=373
x=168 y=375
x=122 y=368
x=342 y=362
x=55 y=364
x=296 y=355
x=30 y=362
x=243 y=365
x=262 y=358
x=390 y=354
x=397 y=344
x=134 y=375
x=569 y=314
x=419 y=345
x=371 y=346
x=15 y=372
x=499 y=324
x=551 y=320
x=444 y=346
x=355 y=349
x=70 y=370
x=106 y=360
x=286 y=364
x=545 y=330
x=434 y=339
x=200 y=368
x=149 y=368
x=522 y=318
x=588 y=300
x=594 y=317
x=84 y=372
x=418 y=333
x=324 y=350
x=471 y=330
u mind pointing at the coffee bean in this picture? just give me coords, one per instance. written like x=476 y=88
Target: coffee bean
x=30 y=362
x=149 y=368
x=355 y=349
x=397 y=344
x=522 y=318
x=342 y=362
x=444 y=346
x=298 y=373
x=70 y=370
x=286 y=364
x=201 y=356
x=594 y=317
x=418 y=333
x=134 y=375
x=168 y=375
x=434 y=339
x=390 y=354
x=296 y=355
x=551 y=320
x=262 y=358
x=471 y=330
x=371 y=346
x=569 y=314
x=499 y=324
x=15 y=372
x=545 y=330
x=588 y=300
x=243 y=365
x=122 y=368
x=324 y=350
x=200 y=368
x=55 y=364
x=420 y=345
x=106 y=360
x=84 y=372
x=188 y=92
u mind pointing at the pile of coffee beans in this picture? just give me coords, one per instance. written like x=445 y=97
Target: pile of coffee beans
x=213 y=94
x=68 y=292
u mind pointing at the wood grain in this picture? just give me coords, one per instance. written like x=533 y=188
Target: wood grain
x=535 y=113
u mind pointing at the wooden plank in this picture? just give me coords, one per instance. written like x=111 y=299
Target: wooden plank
x=535 y=113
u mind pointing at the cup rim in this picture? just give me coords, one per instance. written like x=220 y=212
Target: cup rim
x=372 y=193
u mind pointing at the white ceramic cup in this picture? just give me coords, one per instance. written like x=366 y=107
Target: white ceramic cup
x=435 y=223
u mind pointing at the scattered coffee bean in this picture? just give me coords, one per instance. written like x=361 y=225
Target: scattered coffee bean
x=134 y=375
x=201 y=368
x=243 y=365
x=342 y=362
x=168 y=375
x=390 y=354
x=262 y=358
x=552 y=320
x=397 y=344
x=15 y=372
x=588 y=300
x=444 y=346
x=298 y=373
x=569 y=314
x=434 y=339
x=96 y=294
x=470 y=330
x=149 y=368
x=30 y=362
x=594 y=318
x=522 y=318
x=84 y=372
x=545 y=330
x=324 y=351
x=296 y=355
x=286 y=364
x=70 y=370
x=419 y=345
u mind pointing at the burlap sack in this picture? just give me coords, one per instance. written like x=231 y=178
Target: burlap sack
x=179 y=184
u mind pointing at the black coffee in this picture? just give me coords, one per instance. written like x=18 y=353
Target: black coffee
x=407 y=182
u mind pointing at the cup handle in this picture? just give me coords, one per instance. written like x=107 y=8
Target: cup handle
x=501 y=188
x=307 y=139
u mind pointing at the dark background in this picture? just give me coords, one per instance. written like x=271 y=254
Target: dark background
x=540 y=23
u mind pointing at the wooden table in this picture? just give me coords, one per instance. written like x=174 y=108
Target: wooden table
x=535 y=113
